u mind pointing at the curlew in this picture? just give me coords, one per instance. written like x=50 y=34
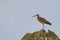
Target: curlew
x=42 y=20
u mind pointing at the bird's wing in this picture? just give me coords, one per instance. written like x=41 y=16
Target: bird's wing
x=45 y=21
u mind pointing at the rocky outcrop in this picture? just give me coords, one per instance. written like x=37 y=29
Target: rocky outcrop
x=41 y=35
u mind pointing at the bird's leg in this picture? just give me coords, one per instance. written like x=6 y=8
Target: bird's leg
x=43 y=26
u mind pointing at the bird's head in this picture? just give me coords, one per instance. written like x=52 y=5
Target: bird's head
x=36 y=15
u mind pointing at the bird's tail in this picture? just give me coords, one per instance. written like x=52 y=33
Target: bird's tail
x=49 y=23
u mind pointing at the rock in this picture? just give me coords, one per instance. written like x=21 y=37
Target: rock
x=41 y=35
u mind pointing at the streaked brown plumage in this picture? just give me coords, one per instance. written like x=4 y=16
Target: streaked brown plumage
x=42 y=20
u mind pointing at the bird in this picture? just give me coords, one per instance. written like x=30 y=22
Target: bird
x=42 y=20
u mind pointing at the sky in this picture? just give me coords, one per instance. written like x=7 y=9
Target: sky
x=16 y=17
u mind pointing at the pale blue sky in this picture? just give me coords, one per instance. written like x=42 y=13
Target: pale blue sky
x=16 y=17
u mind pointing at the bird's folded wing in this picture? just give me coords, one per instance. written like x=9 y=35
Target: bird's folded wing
x=45 y=21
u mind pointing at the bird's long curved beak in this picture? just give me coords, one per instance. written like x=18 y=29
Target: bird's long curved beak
x=33 y=16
